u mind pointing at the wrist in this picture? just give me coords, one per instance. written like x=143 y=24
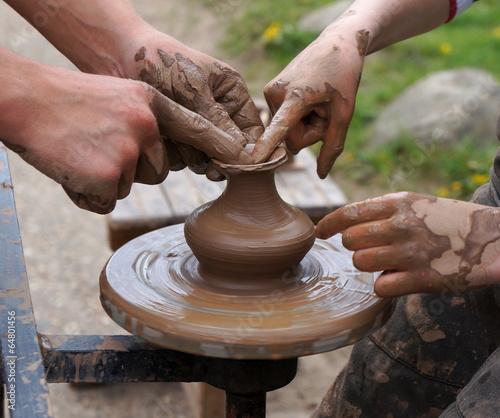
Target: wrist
x=17 y=95
x=143 y=47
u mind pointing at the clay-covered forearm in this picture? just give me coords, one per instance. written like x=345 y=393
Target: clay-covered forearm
x=93 y=34
x=389 y=21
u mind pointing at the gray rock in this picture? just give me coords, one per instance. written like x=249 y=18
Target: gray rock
x=442 y=108
x=317 y=20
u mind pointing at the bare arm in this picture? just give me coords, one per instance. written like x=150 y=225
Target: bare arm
x=108 y=37
x=94 y=35
x=313 y=98
x=93 y=134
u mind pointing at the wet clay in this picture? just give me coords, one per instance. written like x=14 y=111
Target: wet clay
x=249 y=234
x=153 y=288
x=209 y=90
x=240 y=280
x=409 y=237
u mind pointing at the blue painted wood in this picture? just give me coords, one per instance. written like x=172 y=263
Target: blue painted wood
x=23 y=371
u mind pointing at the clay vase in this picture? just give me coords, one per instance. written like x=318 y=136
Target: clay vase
x=249 y=234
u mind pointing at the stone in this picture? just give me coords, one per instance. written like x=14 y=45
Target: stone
x=317 y=20
x=442 y=108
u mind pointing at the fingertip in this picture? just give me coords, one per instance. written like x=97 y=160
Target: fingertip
x=392 y=283
x=321 y=234
x=383 y=286
x=261 y=152
x=325 y=163
x=325 y=228
x=322 y=173
x=213 y=174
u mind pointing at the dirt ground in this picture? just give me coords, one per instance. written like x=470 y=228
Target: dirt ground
x=65 y=249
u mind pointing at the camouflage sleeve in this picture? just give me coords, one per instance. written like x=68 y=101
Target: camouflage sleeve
x=489 y=194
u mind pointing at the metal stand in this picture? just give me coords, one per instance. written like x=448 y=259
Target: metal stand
x=29 y=360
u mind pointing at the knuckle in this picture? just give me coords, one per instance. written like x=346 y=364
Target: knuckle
x=411 y=252
x=299 y=95
x=111 y=173
x=402 y=225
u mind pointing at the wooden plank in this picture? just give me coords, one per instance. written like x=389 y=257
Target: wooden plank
x=126 y=210
x=182 y=196
x=153 y=204
x=207 y=190
x=328 y=187
x=22 y=368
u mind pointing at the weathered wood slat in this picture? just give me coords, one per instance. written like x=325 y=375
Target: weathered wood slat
x=182 y=197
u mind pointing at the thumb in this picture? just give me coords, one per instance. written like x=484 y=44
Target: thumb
x=286 y=118
x=183 y=125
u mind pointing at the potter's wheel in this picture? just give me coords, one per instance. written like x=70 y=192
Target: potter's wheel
x=151 y=287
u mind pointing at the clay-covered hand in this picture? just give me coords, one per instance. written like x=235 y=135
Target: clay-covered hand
x=421 y=243
x=203 y=85
x=93 y=134
x=313 y=98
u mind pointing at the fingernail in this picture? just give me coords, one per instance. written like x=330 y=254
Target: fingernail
x=322 y=173
x=259 y=155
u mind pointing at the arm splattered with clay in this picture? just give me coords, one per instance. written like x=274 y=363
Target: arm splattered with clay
x=422 y=243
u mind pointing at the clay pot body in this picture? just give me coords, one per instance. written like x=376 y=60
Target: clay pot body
x=249 y=233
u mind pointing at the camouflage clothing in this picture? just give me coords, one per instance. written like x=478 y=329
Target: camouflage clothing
x=438 y=355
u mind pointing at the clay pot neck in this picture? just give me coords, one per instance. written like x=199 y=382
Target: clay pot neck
x=250 y=190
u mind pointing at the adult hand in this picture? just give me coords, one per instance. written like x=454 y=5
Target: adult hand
x=313 y=98
x=422 y=243
x=203 y=85
x=95 y=135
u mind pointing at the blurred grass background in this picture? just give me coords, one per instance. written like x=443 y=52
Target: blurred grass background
x=267 y=33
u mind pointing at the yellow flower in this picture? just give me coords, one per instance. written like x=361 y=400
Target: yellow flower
x=480 y=179
x=496 y=32
x=443 y=192
x=349 y=157
x=445 y=48
x=456 y=186
x=272 y=31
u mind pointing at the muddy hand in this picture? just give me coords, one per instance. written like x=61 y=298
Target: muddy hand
x=422 y=243
x=187 y=127
x=95 y=135
x=203 y=85
x=313 y=99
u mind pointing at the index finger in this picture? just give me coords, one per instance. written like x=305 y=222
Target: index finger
x=286 y=118
x=369 y=210
x=183 y=125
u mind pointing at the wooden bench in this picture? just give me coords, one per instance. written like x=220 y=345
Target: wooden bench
x=151 y=207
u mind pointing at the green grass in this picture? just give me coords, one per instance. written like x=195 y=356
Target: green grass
x=472 y=40
x=453 y=171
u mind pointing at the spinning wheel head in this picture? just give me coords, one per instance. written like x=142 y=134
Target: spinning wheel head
x=153 y=287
